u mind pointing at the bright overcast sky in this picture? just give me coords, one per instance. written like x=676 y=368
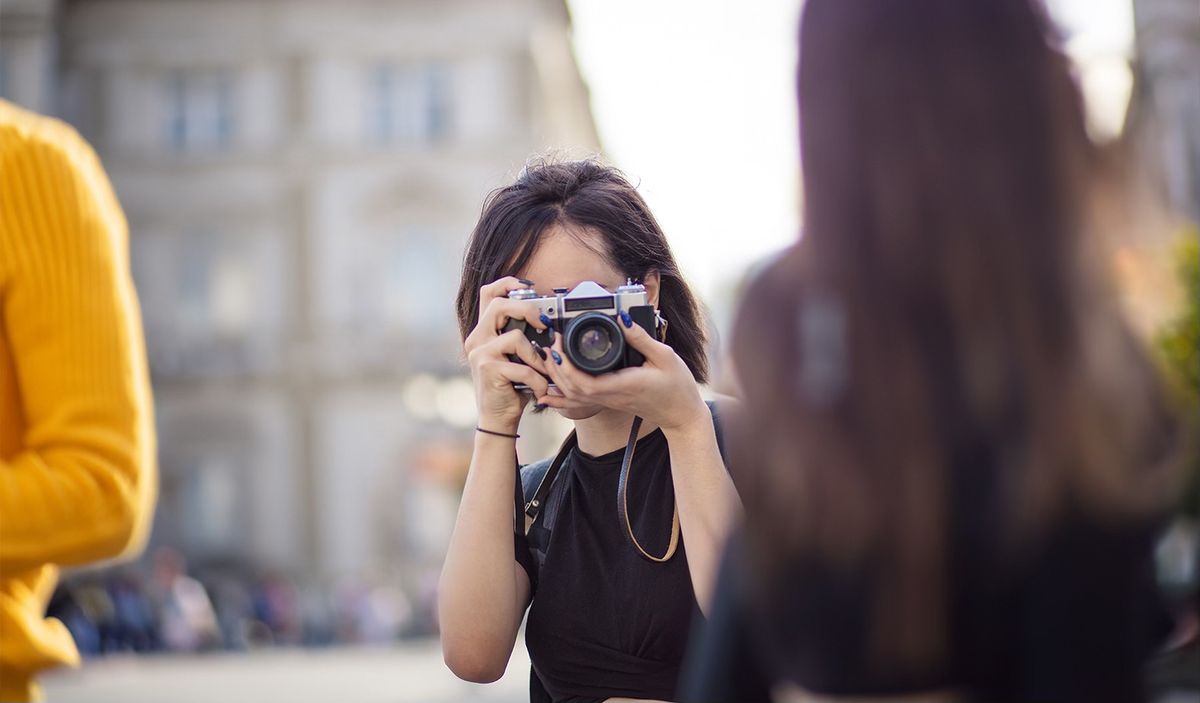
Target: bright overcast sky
x=696 y=100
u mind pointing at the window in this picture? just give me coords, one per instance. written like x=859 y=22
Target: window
x=214 y=282
x=417 y=274
x=199 y=112
x=194 y=281
x=213 y=507
x=408 y=103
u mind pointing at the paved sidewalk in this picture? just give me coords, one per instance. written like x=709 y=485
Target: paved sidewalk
x=408 y=673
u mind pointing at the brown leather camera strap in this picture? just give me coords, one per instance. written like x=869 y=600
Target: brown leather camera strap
x=530 y=506
x=623 y=502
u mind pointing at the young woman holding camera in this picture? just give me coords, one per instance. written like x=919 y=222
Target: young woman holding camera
x=611 y=589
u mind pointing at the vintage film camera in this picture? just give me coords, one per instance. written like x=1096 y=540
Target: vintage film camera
x=588 y=318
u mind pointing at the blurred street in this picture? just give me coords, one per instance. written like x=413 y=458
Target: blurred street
x=400 y=674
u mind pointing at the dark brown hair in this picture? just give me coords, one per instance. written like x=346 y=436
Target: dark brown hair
x=582 y=197
x=941 y=305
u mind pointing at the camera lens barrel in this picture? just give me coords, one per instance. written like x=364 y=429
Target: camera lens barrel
x=594 y=342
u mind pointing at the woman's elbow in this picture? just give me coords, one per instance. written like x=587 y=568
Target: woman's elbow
x=121 y=530
x=469 y=664
x=121 y=533
x=133 y=533
x=133 y=500
x=463 y=651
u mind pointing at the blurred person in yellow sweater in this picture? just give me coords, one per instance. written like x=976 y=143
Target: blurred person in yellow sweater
x=77 y=473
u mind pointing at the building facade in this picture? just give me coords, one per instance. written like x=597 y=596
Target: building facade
x=1168 y=60
x=300 y=178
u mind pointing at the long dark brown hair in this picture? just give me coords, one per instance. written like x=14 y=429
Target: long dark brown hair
x=941 y=304
x=583 y=196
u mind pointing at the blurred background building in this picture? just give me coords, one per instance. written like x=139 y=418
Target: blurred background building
x=299 y=179
x=1168 y=61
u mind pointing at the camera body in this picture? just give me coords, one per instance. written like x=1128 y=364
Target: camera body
x=588 y=318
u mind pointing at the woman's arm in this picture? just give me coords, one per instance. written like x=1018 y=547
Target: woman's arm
x=707 y=501
x=483 y=592
x=82 y=485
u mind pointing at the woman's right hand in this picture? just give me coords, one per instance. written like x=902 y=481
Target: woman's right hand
x=498 y=403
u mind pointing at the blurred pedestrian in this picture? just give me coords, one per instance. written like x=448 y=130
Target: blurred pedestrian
x=186 y=617
x=136 y=623
x=77 y=478
x=954 y=454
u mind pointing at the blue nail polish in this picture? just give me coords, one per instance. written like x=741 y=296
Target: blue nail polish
x=540 y=406
x=545 y=320
x=625 y=318
x=557 y=358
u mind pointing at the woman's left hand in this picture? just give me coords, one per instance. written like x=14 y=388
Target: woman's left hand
x=661 y=391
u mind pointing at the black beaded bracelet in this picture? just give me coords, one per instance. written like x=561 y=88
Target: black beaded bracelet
x=498 y=434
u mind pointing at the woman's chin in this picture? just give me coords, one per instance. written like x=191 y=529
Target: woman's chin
x=580 y=413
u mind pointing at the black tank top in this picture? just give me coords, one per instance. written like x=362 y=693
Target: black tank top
x=605 y=621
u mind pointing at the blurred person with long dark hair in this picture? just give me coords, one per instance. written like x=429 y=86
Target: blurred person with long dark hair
x=77 y=479
x=954 y=454
x=623 y=550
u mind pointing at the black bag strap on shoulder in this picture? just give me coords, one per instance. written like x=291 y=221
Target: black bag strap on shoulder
x=534 y=482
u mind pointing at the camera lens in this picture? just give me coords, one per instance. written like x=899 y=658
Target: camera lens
x=594 y=343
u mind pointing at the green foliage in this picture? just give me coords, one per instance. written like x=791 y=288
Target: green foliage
x=1179 y=342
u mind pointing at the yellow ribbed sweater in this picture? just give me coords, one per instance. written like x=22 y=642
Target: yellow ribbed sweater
x=77 y=477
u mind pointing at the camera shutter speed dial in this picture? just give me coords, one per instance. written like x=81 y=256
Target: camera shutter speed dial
x=630 y=287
